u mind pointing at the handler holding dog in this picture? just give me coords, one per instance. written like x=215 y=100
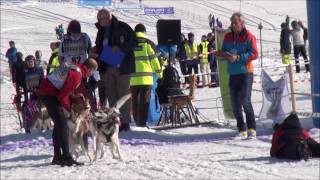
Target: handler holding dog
x=55 y=91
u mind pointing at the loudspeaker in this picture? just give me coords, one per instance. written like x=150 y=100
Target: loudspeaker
x=168 y=32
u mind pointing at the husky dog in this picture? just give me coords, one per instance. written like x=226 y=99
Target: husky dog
x=78 y=123
x=105 y=129
x=41 y=118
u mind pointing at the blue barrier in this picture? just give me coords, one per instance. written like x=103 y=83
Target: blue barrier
x=154 y=108
x=313 y=8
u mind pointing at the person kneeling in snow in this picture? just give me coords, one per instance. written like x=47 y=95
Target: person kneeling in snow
x=291 y=141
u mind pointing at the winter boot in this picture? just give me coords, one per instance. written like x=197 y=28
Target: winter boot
x=252 y=134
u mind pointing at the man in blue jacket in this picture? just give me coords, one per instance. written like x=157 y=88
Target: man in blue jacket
x=11 y=55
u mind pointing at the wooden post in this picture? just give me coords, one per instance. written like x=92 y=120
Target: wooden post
x=293 y=98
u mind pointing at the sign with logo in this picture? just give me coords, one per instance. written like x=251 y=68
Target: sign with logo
x=158 y=11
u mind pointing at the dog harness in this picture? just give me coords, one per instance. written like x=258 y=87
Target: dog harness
x=107 y=129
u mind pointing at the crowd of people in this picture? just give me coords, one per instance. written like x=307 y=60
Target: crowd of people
x=75 y=66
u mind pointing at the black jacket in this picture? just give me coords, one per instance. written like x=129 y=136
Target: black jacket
x=18 y=73
x=285 y=44
x=121 y=35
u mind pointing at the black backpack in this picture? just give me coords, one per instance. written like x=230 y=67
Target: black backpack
x=169 y=84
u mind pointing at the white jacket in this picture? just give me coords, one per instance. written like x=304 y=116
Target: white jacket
x=297 y=36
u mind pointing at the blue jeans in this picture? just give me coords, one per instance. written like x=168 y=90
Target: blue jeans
x=240 y=91
x=213 y=67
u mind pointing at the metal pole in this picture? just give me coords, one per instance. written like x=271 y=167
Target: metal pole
x=293 y=97
x=313 y=8
x=260 y=28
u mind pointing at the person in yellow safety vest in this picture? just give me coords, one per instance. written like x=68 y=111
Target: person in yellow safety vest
x=54 y=61
x=141 y=81
x=191 y=50
x=204 y=65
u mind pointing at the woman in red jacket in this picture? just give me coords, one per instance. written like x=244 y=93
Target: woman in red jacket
x=55 y=91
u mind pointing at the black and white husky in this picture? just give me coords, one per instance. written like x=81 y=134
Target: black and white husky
x=105 y=129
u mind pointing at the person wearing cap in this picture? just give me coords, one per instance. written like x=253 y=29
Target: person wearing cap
x=141 y=80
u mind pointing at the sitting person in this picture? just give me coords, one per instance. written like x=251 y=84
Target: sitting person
x=291 y=141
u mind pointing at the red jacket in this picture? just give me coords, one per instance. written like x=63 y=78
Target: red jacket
x=72 y=81
x=279 y=139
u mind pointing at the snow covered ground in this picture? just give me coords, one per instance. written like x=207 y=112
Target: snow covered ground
x=204 y=152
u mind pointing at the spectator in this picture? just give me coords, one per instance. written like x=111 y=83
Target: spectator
x=204 y=65
x=18 y=78
x=33 y=75
x=305 y=33
x=11 y=55
x=299 y=46
x=191 y=50
x=240 y=49
x=53 y=60
x=285 y=44
x=141 y=80
x=116 y=78
x=54 y=92
x=181 y=54
x=213 y=61
x=39 y=62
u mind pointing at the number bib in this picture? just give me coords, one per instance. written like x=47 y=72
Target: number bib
x=59 y=75
x=75 y=51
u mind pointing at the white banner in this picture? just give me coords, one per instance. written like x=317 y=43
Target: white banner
x=276 y=104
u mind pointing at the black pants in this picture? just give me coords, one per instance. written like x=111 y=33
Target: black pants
x=300 y=49
x=140 y=103
x=60 y=129
x=184 y=71
x=192 y=64
x=240 y=91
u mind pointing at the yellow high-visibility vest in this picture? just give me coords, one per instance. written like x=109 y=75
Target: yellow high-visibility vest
x=146 y=62
x=55 y=62
x=204 y=57
x=191 y=52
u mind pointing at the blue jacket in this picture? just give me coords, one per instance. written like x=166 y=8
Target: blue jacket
x=11 y=55
x=246 y=47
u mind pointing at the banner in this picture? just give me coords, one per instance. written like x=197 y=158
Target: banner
x=158 y=11
x=95 y=2
x=276 y=103
x=128 y=5
x=223 y=75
